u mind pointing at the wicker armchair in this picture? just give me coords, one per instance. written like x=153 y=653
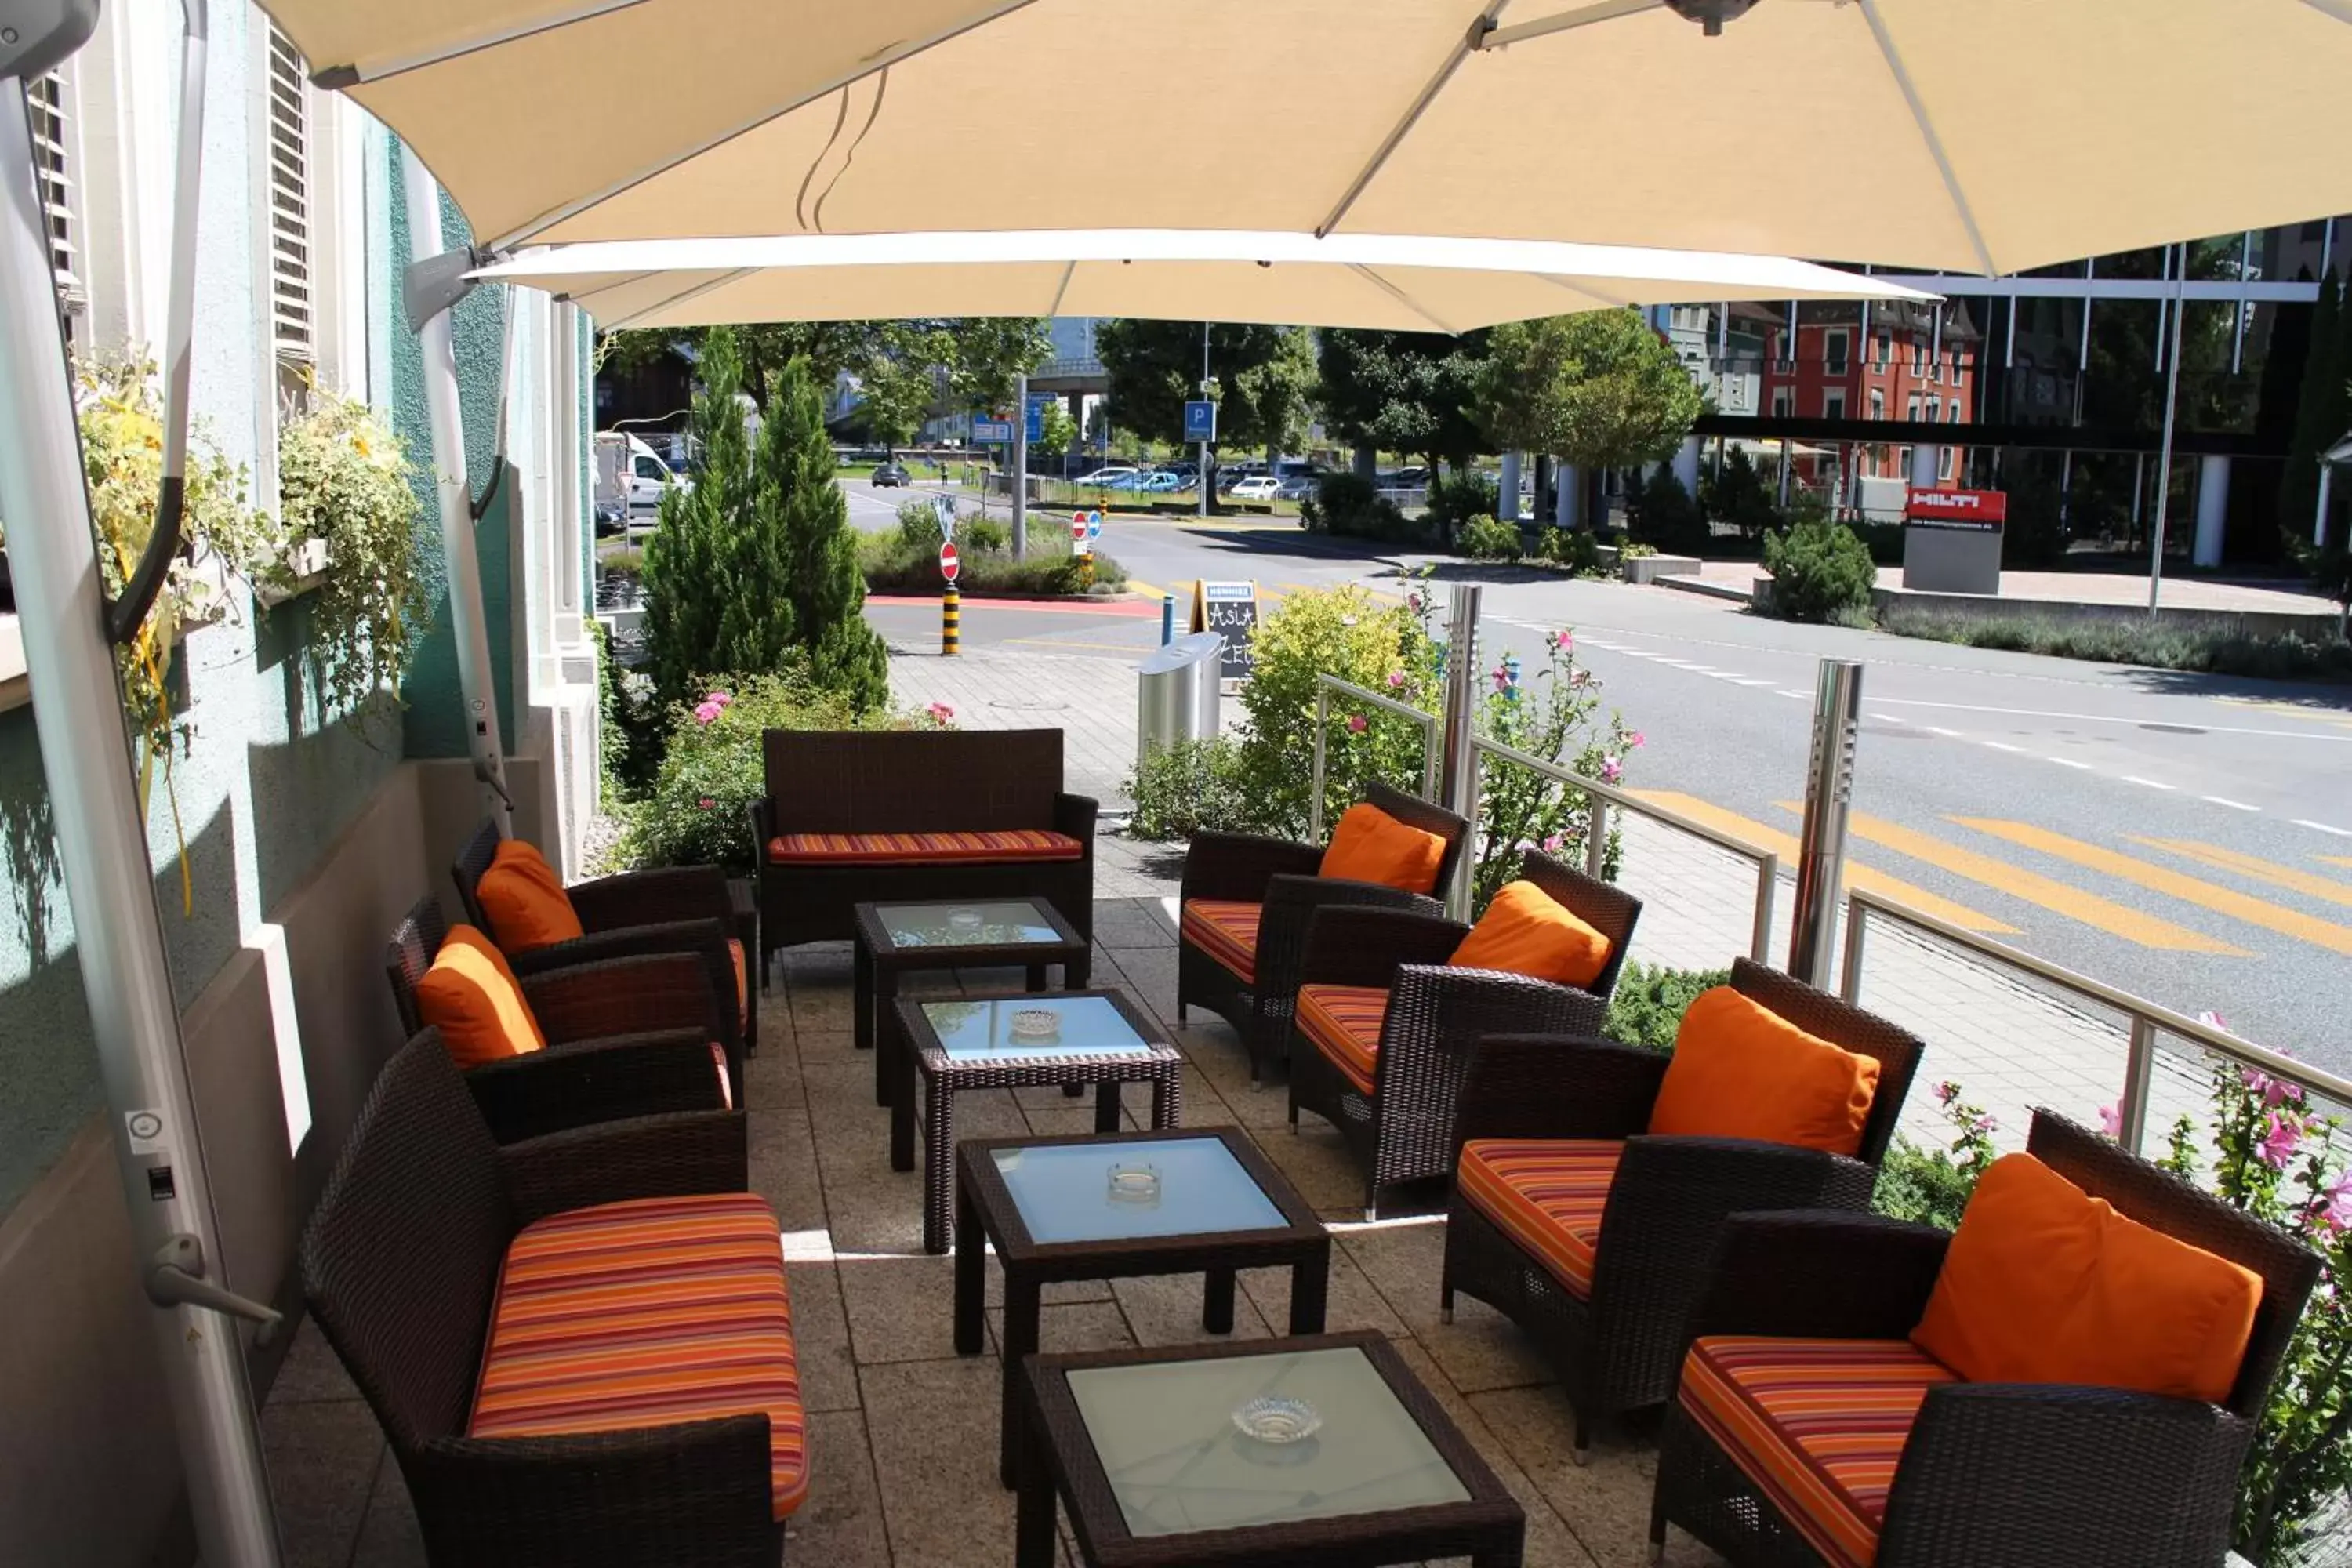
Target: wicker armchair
x=676 y=909
x=1411 y=1023
x=1615 y=1334
x=850 y=818
x=625 y=1037
x=2024 y=1475
x=401 y=1263
x=1269 y=889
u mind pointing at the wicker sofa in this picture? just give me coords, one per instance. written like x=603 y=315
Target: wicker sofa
x=1246 y=902
x=850 y=818
x=627 y=1037
x=2024 y=1475
x=454 y=1276
x=1601 y=1270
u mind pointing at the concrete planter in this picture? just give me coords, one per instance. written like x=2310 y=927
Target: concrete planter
x=1650 y=568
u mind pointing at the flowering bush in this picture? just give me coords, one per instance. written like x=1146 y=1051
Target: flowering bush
x=1931 y=1186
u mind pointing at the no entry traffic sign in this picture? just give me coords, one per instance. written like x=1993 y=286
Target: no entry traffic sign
x=949 y=564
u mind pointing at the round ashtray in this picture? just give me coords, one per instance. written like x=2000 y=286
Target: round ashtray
x=964 y=922
x=1035 y=1024
x=1138 y=1184
x=1278 y=1421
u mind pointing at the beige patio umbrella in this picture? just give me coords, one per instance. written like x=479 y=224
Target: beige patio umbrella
x=1398 y=282
x=1982 y=135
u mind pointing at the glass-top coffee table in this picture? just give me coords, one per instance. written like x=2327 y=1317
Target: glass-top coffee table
x=1063 y=1037
x=896 y=939
x=1290 y=1452
x=1119 y=1205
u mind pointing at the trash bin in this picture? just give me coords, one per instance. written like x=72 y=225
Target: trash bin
x=1176 y=696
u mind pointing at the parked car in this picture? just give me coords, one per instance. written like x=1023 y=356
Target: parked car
x=1257 y=486
x=1106 y=479
x=1297 y=487
x=889 y=474
x=1160 y=482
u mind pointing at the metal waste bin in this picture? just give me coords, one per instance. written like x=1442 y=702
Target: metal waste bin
x=1176 y=696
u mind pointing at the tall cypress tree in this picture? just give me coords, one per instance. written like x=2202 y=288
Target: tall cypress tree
x=2321 y=412
x=802 y=510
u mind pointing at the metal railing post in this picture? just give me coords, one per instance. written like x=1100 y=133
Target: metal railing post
x=1458 y=782
x=2140 y=1071
x=1850 y=981
x=1315 y=799
x=1829 y=785
x=1596 y=837
x=1768 y=893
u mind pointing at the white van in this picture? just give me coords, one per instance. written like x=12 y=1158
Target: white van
x=630 y=478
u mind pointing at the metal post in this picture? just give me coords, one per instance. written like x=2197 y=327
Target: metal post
x=1021 y=468
x=1829 y=783
x=2140 y=1071
x=1459 y=780
x=1200 y=502
x=101 y=836
x=1857 y=929
x=2319 y=513
x=1167 y=619
x=2164 y=468
x=468 y=622
x=1319 y=764
x=1596 y=837
x=951 y=622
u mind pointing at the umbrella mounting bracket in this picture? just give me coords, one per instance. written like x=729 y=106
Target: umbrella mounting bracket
x=36 y=35
x=436 y=283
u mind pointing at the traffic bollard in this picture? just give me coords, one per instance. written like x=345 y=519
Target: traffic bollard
x=951 y=623
x=1167 y=619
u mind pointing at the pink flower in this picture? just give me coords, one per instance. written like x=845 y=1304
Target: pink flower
x=1612 y=769
x=1396 y=679
x=1413 y=601
x=1551 y=844
x=1947 y=1093
x=2274 y=1091
x=2111 y=1121
x=706 y=711
x=941 y=713
x=1580 y=678
x=724 y=699
x=1637 y=741
x=1356 y=724
x=1984 y=1124
x=2280 y=1142
x=707 y=804
x=1502 y=678
x=2334 y=1214
x=1565 y=641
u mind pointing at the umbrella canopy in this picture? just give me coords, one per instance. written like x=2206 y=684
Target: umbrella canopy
x=1400 y=283
x=1992 y=135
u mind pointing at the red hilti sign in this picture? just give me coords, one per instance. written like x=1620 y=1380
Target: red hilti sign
x=948 y=565
x=1985 y=509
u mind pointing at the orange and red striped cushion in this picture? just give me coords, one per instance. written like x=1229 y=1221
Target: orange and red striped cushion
x=1547 y=1195
x=742 y=983
x=1227 y=930
x=1818 y=1425
x=885 y=848
x=1344 y=1022
x=648 y=1313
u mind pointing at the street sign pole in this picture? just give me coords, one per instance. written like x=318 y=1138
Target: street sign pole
x=1201 y=504
x=1021 y=467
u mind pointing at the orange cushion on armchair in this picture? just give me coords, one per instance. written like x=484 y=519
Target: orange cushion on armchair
x=1527 y=932
x=1371 y=846
x=524 y=900
x=472 y=998
x=2044 y=1283
x=1741 y=1070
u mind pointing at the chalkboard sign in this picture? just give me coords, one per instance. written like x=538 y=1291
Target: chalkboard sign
x=1230 y=609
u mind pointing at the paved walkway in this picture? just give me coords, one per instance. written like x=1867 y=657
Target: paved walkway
x=2092 y=588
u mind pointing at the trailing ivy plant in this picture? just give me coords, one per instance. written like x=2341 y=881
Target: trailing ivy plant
x=344 y=478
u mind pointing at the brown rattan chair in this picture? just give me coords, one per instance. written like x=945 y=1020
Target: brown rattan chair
x=1616 y=1336
x=675 y=909
x=1268 y=887
x=625 y=1037
x=1398 y=1116
x=402 y=1264
x=2022 y=1474
x=853 y=817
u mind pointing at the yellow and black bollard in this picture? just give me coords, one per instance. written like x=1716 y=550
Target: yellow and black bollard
x=951 y=623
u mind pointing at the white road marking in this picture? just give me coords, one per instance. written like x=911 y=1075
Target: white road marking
x=2150 y=783
x=2339 y=832
x=1889 y=719
x=1799 y=696
x=1940 y=730
x=2345 y=736
x=2004 y=746
x=2232 y=804
x=2068 y=763
x=1746 y=680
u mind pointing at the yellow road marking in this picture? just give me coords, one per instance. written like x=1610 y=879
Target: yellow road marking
x=2337 y=859
x=2287 y=876
x=1856 y=875
x=2204 y=894
x=2102 y=914
x=1138 y=585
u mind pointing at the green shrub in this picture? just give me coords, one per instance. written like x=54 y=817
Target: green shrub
x=984 y=536
x=1735 y=494
x=895 y=563
x=1189 y=787
x=1649 y=1003
x=918 y=524
x=1455 y=498
x=1574 y=548
x=1636 y=551
x=625 y=563
x=2282 y=656
x=1820 y=570
x=1485 y=537
x=1350 y=505
x=1931 y=1186
x=713 y=769
x=1663 y=515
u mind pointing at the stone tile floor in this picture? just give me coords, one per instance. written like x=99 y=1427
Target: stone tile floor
x=902 y=1431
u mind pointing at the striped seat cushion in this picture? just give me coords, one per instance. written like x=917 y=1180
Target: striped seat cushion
x=648 y=1313
x=1227 y=930
x=1547 y=1195
x=1344 y=1022
x=928 y=848
x=1818 y=1425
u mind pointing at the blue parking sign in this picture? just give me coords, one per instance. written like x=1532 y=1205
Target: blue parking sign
x=1035 y=419
x=1200 y=420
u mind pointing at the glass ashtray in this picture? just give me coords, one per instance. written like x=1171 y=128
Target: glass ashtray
x=1279 y=1420
x=1035 y=1024
x=964 y=922
x=1138 y=1184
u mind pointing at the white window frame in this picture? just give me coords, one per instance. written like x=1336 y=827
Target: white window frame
x=1784 y=402
x=1837 y=351
x=1833 y=403
x=1911 y=408
x=1935 y=410
x=1952 y=411
x=1943 y=463
x=1877 y=403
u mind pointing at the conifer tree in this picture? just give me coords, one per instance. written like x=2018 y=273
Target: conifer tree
x=802 y=510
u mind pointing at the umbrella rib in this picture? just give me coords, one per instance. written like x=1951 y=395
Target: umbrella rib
x=1928 y=133
x=681 y=297
x=1069 y=271
x=337 y=77
x=1583 y=286
x=865 y=68
x=1399 y=296
x=1582 y=16
x=1461 y=50
x=2339 y=9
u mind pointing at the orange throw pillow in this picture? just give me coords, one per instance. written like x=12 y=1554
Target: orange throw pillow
x=524 y=900
x=2044 y=1283
x=1371 y=846
x=1527 y=932
x=472 y=998
x=1741 y=1070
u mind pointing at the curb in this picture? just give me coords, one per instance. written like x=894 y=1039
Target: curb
x=1704 y=588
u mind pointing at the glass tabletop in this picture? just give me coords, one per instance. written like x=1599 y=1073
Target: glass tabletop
x=1178 y=1460
x=1044 y=1024
x=1012 y=923
x=1122 y=1189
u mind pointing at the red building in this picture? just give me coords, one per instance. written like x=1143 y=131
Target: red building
x=1914 y=364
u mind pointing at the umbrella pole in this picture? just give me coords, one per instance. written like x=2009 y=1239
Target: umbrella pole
x=101 y=834
x=467 y=621
x=2164 y=463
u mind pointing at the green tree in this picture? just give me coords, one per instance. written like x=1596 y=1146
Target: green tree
x=1403 y=392
x=802 y=510
x=1056 y=431
x=1599 y=389
x=716 y=583
x=1266 y=380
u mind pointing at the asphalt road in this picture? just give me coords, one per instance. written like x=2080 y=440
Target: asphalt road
x=2185 y=837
